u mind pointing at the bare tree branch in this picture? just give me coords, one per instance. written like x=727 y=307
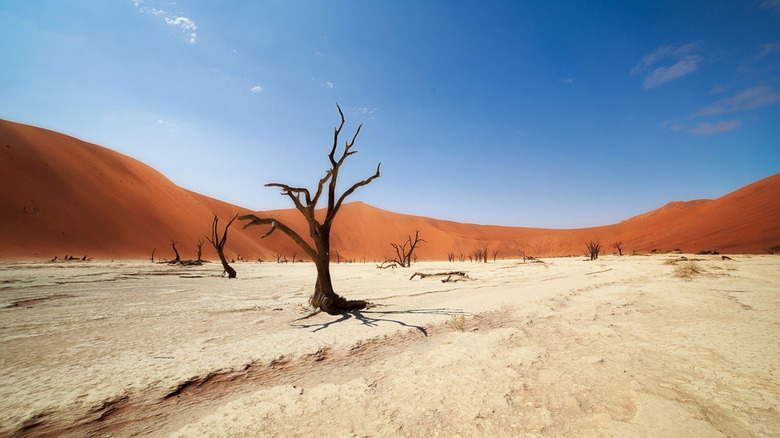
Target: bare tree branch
x=324 y=297
x=331 y=215
x=254 y=220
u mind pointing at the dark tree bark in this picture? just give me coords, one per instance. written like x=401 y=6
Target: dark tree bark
x=219 y=244
x=404 y=255
x=593 y=249
x=324 y=298
x=618 y=246
x=177 y=259
x=200 y=249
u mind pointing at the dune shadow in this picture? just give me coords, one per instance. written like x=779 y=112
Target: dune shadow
x=372 y=318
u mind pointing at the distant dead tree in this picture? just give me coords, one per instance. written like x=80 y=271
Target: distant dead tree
x=152 y=258
x=173 y=245
x=293 y=257
x=618 y=246
x=593 y=249
x=481 y=255
x=200 y=249
x=773 y=249
x=495 y=254
x=451 y=256
x=324 y=297
x=278 y=258
x=219 y=244
x=403 y=253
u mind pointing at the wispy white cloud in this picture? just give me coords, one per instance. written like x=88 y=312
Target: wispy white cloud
x=673 y=125
x=705 y=128
x=773 y=5
x=365 y=111
x=186 y=25
x=747 y=100
x=256 y=89
x=662 y=75
x=329 y=84
x=667 y=63
x=151 y=10
x=769 y=48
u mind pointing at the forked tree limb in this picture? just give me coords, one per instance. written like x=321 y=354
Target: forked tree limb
x=332 y=214
x=254 y=220
x=324 y=297
x=219 y=243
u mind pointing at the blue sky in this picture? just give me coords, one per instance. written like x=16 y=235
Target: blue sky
x=544 y=114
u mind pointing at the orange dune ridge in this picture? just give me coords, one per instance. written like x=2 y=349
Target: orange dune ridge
x=63 y=196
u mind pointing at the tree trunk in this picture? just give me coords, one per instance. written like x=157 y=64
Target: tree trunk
x=324 y=297
x=229 y=269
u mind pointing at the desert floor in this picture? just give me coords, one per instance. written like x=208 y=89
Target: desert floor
x=615 y=347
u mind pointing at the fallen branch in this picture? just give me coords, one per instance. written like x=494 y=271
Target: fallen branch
x=598 y=272
x=388 y=264
x=459 y=274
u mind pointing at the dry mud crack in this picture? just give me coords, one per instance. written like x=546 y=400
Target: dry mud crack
x=619 y=348
x=157 y=412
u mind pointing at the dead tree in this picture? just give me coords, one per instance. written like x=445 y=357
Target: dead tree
x=403 y=254
x=451 y=256
x=200 y=249
x=618 y=246
x=481 y=255
x=173 y=245
x=593 y=249
x=324 y=297
x=219 y=244
x=152 y=258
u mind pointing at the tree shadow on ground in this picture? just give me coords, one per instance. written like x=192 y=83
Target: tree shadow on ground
x=372 y=318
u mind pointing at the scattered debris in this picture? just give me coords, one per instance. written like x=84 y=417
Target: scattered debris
x=452 y=277
x=711 y=251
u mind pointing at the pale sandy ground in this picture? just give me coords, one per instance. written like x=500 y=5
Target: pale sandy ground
x=615 y=347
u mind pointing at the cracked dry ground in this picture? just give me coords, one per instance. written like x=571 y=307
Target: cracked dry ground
x=572 y=349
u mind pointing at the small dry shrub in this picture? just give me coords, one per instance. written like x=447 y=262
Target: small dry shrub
x=670 y=261
x=687 y=270
x=457 y=322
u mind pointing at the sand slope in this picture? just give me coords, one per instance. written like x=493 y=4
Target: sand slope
x=61 y=195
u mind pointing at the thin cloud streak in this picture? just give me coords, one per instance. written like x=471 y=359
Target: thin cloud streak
x=662 y=75
x=705 y=128
x=686 y=63
x=747 y=100
x=185 y=24
x=772 y=5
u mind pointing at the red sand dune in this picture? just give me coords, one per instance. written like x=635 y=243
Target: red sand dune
x=61 y=195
